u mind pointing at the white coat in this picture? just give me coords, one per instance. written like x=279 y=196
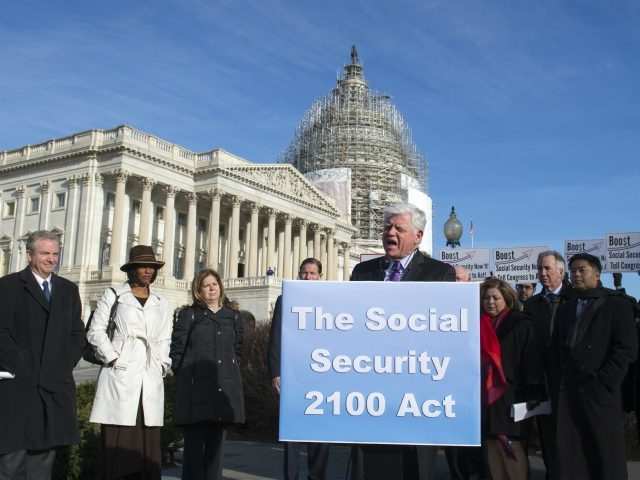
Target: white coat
x=141 y=344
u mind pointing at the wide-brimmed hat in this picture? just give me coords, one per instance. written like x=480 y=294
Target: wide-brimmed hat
x=141 y=255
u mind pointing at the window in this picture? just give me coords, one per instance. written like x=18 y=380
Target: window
x=34 y=204
x=160 y=213
x=135 y=207
x=10 y=209
x=111 y=199
x=202 y=225
x=182 y=219
x=178 y=267
x=60 y=200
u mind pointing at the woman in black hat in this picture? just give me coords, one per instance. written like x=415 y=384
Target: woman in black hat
x=129 y=400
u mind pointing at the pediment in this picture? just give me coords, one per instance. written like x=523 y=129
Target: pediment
x=285 y=180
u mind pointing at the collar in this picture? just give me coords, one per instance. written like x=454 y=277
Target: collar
x=556 y=291
x=39 y=279
x=404 y=263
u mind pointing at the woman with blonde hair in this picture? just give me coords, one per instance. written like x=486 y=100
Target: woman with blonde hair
x=205 y=350
x=129 y=400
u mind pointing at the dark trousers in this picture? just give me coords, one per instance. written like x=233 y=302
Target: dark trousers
x=27 y=465
x=203 y=451
x=417 y=462
x=547 y=434
x=317 y=460
x=131 y=452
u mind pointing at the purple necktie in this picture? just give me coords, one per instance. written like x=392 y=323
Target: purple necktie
x=396 y=272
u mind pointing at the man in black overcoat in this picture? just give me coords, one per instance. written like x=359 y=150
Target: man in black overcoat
x=317 y=453
x=404 y=226
x=41 y=340
x=543 y=308
x=593 y=342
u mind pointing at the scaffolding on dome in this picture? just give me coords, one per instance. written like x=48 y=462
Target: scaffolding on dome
x=358 y=133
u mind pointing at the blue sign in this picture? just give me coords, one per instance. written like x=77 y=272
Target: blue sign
x=380 y=362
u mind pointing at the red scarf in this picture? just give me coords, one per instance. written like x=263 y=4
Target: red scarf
x=495 y=383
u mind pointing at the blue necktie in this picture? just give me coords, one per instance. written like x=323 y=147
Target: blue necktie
x=396 y=272
x=47 y=292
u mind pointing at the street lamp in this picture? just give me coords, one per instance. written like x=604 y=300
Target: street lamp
x=453 y=229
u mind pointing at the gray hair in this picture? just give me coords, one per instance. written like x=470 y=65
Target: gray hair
x=418 y=218
x=552 y=253
x=41 y=235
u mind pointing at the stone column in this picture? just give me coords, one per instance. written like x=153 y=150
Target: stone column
x=323 y=256
x=145 y=211
x=287 y=247
x=168 y=242
x=331 y=272
x=18 y=262
x=234 y=237
x=190 y=253
x=281 y=253
x=296 y=253
x=118 y=235
x=316 y=242
x=302 y=224
x=66 y=258
x=271 y=239
x=45 y=206
x=214 y=229
x=345 y=268
x=85 y=221
x=252 y=270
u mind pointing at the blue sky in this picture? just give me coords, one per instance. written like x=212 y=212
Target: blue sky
x=528 y=111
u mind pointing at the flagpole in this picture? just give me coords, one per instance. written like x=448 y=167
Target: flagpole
x=471 y=232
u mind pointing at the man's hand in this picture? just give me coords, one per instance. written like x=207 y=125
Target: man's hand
x=275 y=383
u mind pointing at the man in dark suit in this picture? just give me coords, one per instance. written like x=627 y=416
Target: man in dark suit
x=41 y=340
x=317 y=453
x=593 y=342
x=404 y=226
x=543 y=307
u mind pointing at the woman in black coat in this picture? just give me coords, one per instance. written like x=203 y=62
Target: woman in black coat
x=504 y=439
x=205 y=350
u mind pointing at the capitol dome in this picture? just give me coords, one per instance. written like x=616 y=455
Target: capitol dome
x=354 y=145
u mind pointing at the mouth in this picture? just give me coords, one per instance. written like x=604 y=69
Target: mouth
x=390 y=242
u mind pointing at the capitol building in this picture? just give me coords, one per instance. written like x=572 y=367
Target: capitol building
x=103 y=191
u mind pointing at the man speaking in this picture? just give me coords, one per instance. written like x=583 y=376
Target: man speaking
x=404 y=226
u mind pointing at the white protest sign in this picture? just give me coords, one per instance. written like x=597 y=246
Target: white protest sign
x=592 y=247
x=623 y=251
x=517 y=264
x=476 y=261
x=380 y=362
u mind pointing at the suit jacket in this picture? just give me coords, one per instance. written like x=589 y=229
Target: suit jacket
x=273 y=355
x=586 y=372
x=40 y=342
x=421 y=269
x=537 y=352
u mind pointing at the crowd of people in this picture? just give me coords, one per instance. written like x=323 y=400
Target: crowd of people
x=571 y=344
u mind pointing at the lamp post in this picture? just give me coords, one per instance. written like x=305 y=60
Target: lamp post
x=453 y=229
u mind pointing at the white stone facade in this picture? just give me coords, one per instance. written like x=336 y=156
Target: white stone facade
x=104 y=191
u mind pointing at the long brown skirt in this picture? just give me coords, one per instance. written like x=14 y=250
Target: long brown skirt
x=131 y=452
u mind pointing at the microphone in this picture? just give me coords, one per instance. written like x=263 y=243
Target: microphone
x=384 y=265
